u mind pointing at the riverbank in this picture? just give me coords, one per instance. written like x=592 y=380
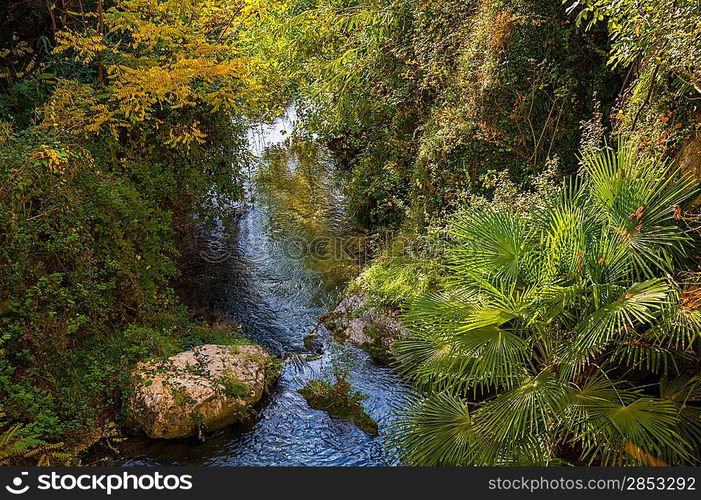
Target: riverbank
x=276 y=273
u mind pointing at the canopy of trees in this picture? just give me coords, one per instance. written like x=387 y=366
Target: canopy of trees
x=557 y=322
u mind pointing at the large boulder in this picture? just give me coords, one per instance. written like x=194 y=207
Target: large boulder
x=208 y=388
x=371 y=328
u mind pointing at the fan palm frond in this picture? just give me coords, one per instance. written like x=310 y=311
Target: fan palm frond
x=434 y=431
x=490 y=242
x=500 y=358
x=685 y=392
x=616 y=320
x=644 y=354
x=619 y=432
x=441 y=313
x=638 y=198
x=679 y=327
x=531 y=409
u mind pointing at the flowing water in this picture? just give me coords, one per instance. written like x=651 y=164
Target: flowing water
x=284 y=267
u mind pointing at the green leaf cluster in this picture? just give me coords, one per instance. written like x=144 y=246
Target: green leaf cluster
x=568 y=335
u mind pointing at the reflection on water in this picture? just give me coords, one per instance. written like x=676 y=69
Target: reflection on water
x=284 y=267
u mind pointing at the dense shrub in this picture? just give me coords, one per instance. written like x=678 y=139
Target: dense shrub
x=569 y=333
x=113 y=137
x=419 y=99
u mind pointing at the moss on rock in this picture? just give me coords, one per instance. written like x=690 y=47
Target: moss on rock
x=338 y=400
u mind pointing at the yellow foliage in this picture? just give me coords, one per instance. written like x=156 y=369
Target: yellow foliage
x=76 y=109
x=55 y=160
x=158 y=55
x=185 y=135
x=12 y=56
x=6 y=132
x=86 y=46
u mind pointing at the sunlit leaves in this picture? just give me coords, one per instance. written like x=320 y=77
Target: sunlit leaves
x=668 y=34
x=625 y=428
x=552 y=319
x=490 y=241
x=164 y=55
x=632 y=308
x=636 y=197
x=534 y=407
x=436 y=431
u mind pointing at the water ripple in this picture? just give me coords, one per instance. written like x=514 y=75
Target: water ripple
x=278 y=299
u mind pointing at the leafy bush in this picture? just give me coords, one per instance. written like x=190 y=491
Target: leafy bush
x=407 y=266
x=419 y=99
x=570 y=335
x=659 y=45
x=99 y=170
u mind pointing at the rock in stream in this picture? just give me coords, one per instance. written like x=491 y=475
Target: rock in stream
x=208 y=388
x=372 y=329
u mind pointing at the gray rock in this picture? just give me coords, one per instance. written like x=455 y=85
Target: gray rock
x=208 y=387
x=372 y=329
x=313 y=343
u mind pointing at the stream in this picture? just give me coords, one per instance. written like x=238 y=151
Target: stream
x=281 y=269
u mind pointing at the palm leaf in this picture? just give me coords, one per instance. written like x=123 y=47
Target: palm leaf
x=618 y=319
x=489 y=242
x=531 y=409
x=434 y=431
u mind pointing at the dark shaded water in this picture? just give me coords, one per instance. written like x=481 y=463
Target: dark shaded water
x=276 y=275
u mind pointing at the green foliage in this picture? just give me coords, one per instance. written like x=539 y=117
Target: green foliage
x=562 y=329
x=659 y=44
x=339 y=400
x=87 y=255
x=17 y=448
x=419 y=99
x=669 y=34
x=406 y=268
x=234 y=388
x=99 y=170
x=523 y=80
